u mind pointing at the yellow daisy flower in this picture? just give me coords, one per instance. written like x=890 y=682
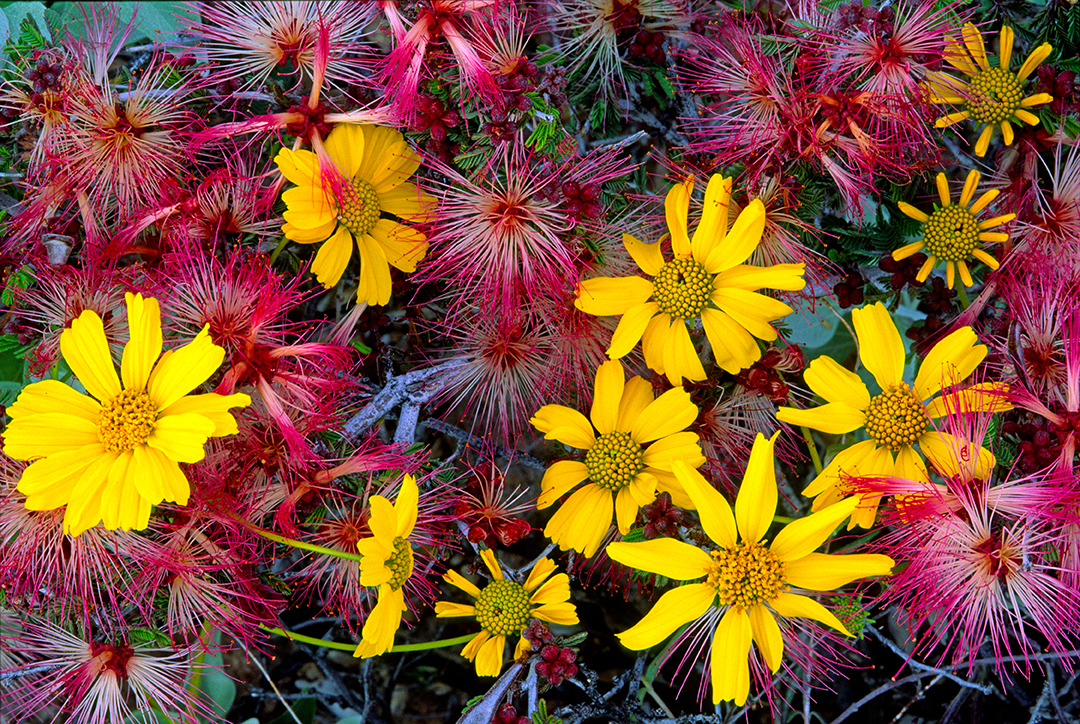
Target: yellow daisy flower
x=622 y=470
x=896 y=419
x=344 y=203
x=707 y=279
x=387 y=563
x=747 y=584
x=504 y=607
x=952 y=232
x=991 y=96
x=110 y=457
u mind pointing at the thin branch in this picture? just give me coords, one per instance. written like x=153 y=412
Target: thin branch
x=908 y=659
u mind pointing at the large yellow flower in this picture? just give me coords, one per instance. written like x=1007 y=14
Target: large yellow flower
x=110 y=457
x=992 y=96
x=707 y=280
x=504 y=607
x=342 y=202
x=623 y=471
x=387 y=563
x=896 y=419
x=746 y=583
x=952 y=233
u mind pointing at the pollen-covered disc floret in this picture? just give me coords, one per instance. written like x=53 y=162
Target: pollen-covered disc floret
x=682 y=288
x=127 y=420
x=502 y=608
x=951 y=233
x=895 y=418
x=358 y=207
x=995 y=96
x=746 y=574
x=614 y=460
x=400 y=563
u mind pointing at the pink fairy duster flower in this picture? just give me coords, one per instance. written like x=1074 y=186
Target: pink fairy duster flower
x=98 y=681
x=486 y=511
x=244 y=43
x=39 y=101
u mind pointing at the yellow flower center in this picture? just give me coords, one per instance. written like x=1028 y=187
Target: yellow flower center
x=682 y=288
x=358 y=207
x=995 y=96
x=951 y=233
x=895 y=418
x=400 y=563
x=746 y=574
x=614 y=460
x=126 y=421
x=502 y=608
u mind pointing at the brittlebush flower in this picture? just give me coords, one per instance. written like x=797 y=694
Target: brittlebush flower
x=707 y=279
x=387 y=563
x=622 y=471
x=112 y=456
x=952 y=233
x=342 y=204
x=505 y=607
x=747 y=584
x=896 y=419
x=991 y=96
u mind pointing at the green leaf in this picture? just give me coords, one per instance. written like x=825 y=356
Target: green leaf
x=303 y=708
x=16 y=12
x=218 y=687
x=154 y=21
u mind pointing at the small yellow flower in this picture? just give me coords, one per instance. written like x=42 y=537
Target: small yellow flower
x=387 y=563
x=707 y=280
x=952 y=233
x=896 y=419
x=746 y=583
x=111 y=457
x=622 y=470
x=341 y=201
x=504 y=607
x=991 y=96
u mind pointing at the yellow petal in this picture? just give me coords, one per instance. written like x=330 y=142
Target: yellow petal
x=48 y=433
x=824 y=572
x=489 y=657
x=456 y=579
x=607 y=394
x=299 y=167
x=564 y=424
x=374 y=285
x=982 y=397
x=559 y=479
x=213 y=407
x=802 y=536
x=1035 y=100
x=680 y=357
x=663 y=556
x=912 y=212
x=610 y=296
x=655 y=340
x=53 y=396
x=1007 y=135
x=951 y=119
x=405 y=506
x=983 y=143
x=766 y=634
x=752 y=310
x=1034 y=60
x=564 y=614
x=789 y=277
x=834 y=418
x=181 y=437
x=309 y=236
x=345 y=144
x=581 y=522
x=632 y=325
x=943 y=189
x=488 y=557
x=309 y=208
x=332 y=258
x=647 y=256
x=717 y=520
x=791 y=605
x=677 y=446
x=636 y=396
x=948 y=362
x=755 y=505
x=880 y=347
x=539 y=573
x=741 y=241
x=48 y=483
x=382 y=623
x=444 y=609
x=985 y=258
x=955 y=457
x=643 y=487
x=403 y=246
x=669 y=413
x=555 y=590
x=909 y=465
x=86 y=351
x=974 y=43
x=1026 y=116
x=733 y=347
x=144 y=347
x=676 y=206
x=835 y=383
x=712 y=228
x=181 y=371
x=676 y=607
x=729 y=659
x=84 y=509
x=626 y=510
x=409 y=203
x=164 y=477
x=1005 y=47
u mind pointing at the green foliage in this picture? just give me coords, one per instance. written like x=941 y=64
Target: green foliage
x=541 y=716
x=851 y=610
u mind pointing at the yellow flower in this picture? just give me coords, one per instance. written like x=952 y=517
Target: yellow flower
x=505 y=607
x=746 y=583
x=897 y=418
x=707 y=279
x=344 y=204
x=622 y=473
x=387 y=563
x=952 y=233
x=991 y=96
x=110 y=457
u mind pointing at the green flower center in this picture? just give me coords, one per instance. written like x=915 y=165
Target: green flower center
x=126 y=421
x=614 y=460
x=895 y=418
x=682 y=288
x=995 y=96
x=358 y=207
x=951 y=233
x=746 y=574
x=503 y=607
x=400 y=563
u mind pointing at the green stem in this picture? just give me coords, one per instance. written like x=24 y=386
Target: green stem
x=441 y=643
x=813 y=449
x=782 y=520
x=277 y=250
x=295 y=543
x=964 y=303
